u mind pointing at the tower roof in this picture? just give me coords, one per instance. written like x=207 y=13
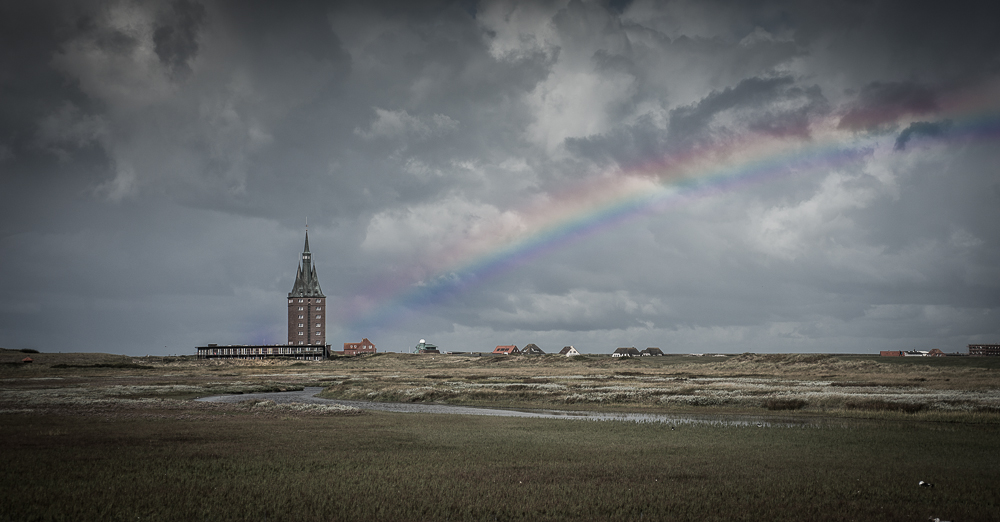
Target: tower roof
x=306 y=280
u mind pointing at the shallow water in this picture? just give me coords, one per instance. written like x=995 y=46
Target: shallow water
x=308 y=395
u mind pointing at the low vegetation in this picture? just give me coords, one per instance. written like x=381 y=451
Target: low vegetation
x=104 y=437
x=235 y=462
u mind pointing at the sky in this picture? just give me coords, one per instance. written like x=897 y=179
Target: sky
x=698 y=176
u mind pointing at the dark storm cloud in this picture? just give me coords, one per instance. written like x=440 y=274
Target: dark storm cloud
x=921 y=128
x=176 y=39
x=625 y=145
x=792 y=122
x=771 y=106
x=688 y=123
x=880 y=104
x=158 y=161
x=30 y=32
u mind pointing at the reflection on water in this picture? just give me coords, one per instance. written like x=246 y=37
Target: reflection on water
x=308 y=395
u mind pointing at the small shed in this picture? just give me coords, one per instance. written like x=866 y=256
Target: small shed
x=569 y=351
x=626 y=352
x=27 y=360
x=532 y=349
x=506 y=350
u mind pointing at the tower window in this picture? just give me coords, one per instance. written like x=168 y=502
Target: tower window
x=300 y=317
x=300 y=300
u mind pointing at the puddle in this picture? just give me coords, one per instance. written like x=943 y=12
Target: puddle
x=308 y=396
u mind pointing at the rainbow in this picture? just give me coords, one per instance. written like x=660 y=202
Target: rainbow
x=612 y=199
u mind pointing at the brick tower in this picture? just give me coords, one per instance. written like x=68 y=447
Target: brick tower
x=306 y=305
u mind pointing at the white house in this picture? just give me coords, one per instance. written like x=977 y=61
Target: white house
x=569 y=351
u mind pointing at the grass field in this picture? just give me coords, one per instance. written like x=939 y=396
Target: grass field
x=95 y=437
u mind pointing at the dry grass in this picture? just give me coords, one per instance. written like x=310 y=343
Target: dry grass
x=248 y=462
x=103 y=437
x=806 y=384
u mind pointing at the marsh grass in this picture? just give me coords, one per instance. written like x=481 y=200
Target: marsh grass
x=802 y=384
x=119 y=365
x=232 y=464
x=96 y=441
x=785 y=404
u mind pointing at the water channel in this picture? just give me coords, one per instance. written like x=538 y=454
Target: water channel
x=308 y=396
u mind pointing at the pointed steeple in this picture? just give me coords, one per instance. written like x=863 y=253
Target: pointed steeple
x=306 y=280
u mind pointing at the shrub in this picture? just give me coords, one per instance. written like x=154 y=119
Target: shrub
x=28 y=350
x=785 y=404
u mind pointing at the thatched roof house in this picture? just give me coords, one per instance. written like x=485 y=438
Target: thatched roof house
x=652 y=351
x=626 y=352
x=532 y=349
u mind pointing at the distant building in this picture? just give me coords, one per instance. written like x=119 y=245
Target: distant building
x=984 y=349
x=506 y=350
x=306 y=324
x=651 y=352
x=569 y=351
x=532 y=349
x=365 y=346
x=306 y=304
x=912 y=353
x=626 y=352
x=426 y=347
x=314 y=352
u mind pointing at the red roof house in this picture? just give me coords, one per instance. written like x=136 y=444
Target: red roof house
x=506 y=350
x=365 y=346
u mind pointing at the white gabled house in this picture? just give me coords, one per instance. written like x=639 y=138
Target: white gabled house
x=569 y=351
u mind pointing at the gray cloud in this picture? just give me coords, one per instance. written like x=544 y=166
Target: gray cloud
x=921 y=128
x=881 y=104
x=176 y=39
x=158 y=162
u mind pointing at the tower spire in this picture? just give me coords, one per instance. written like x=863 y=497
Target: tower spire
x=306 y=306
x=306 y=280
